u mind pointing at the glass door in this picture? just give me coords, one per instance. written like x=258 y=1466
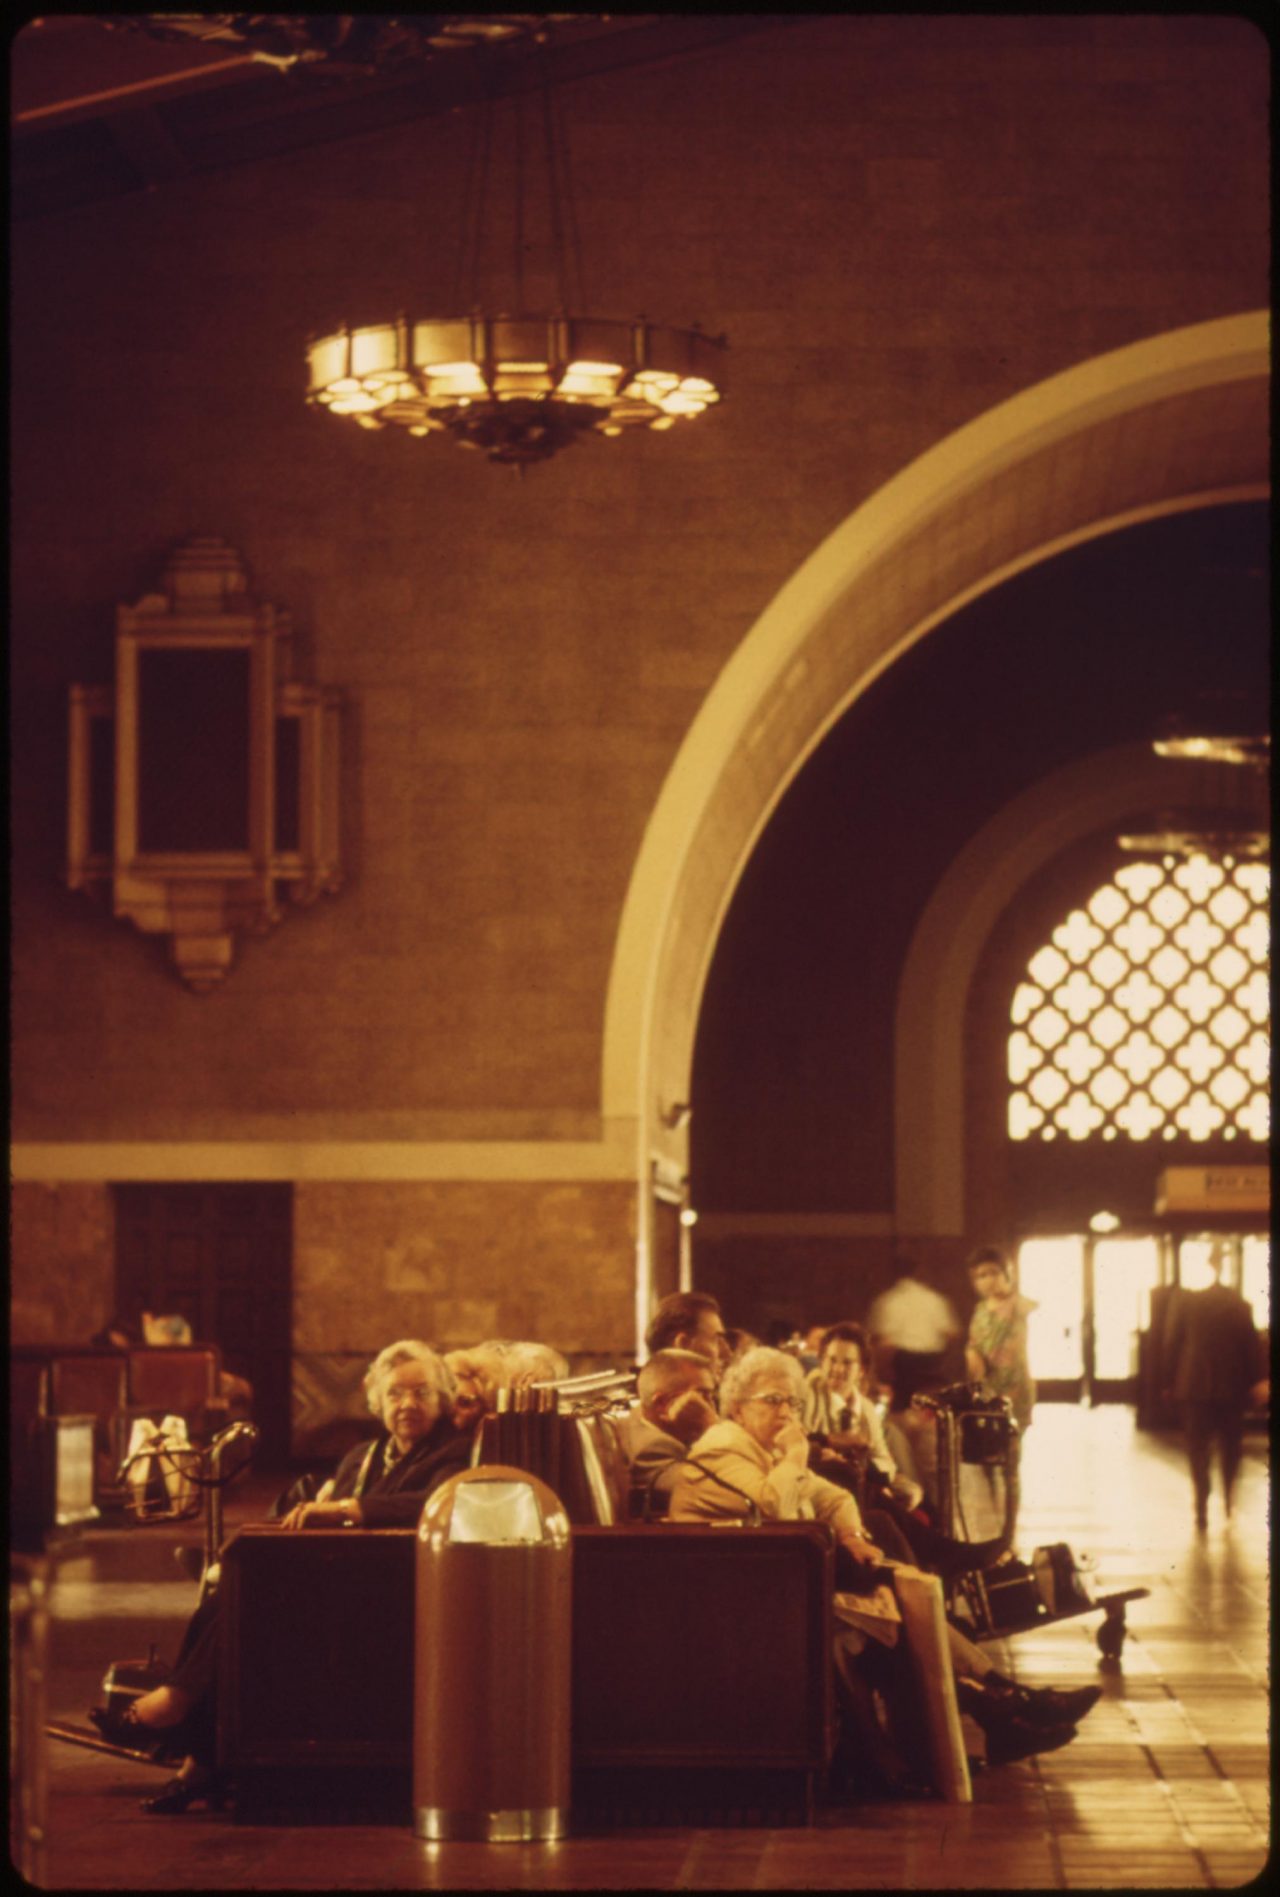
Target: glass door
x=1051 y=1272
x=1255 y=1277
x=1096 y=1297
x=1124 y=1273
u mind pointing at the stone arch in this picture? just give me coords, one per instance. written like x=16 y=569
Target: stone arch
x=1175 y=422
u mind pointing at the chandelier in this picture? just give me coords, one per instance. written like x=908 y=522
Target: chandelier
x=516 y=385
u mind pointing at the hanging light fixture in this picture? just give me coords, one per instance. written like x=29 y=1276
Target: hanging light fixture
x=517 y=386
x=1225 y=766
x=1221 y=728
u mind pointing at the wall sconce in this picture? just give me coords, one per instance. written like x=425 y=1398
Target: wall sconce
x=203 y=786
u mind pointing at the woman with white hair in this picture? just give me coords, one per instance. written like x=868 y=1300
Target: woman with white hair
x=757 y=1455
x=381 y=1484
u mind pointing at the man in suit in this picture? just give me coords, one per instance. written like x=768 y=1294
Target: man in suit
x=676 y=1391
x=1211 y=1354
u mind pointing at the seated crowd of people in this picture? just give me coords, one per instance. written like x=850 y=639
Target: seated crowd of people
x=721 y=1428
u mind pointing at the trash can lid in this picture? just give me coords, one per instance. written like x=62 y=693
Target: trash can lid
x=495 y=1505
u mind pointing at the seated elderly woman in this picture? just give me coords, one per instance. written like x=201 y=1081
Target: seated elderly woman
x=381 y=1484
x=759 y=1454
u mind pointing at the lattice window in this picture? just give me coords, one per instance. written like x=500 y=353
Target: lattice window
x=1148 y=1012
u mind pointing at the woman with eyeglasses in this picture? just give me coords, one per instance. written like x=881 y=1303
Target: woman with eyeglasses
x=757 y=1457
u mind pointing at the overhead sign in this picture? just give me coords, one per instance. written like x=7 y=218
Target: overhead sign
x=1214 y=1189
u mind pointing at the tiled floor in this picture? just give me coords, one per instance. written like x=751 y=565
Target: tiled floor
x=1166 y=1786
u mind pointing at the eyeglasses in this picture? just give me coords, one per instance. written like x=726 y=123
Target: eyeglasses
x=776 y=1400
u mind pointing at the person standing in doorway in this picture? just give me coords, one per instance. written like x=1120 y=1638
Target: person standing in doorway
x=996 y=1353
x=1212 y=1362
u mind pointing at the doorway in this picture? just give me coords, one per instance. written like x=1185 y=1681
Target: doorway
x=1093 y=1295
x=222 y=1257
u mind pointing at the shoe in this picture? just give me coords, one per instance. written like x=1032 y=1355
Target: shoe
x=1019 y=1739
x=996 y=1706
x=1046 y=1705
x=1049 y=1706
x=968 y=1557
x=181 y=1793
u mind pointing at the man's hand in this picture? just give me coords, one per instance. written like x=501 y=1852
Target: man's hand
x=689 y=1415
x=863 y=1549
x=792 y=1440
x=322 y=1514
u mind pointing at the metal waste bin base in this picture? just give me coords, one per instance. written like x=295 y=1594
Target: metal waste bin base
x=491 y=1827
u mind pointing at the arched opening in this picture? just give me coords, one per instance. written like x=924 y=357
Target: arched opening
x=1173 y=424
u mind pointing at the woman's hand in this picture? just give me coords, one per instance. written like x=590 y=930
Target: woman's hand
x=793 y=1441
x=323 y=1514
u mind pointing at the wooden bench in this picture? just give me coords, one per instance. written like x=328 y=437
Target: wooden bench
x=115 y=1387
x=701 y=1673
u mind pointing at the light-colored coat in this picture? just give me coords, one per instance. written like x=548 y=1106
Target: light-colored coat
x=781 y=1491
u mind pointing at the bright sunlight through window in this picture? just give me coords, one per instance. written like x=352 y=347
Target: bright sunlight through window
x=1148 y=1013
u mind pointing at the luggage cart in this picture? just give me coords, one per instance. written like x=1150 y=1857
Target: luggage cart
x=1015 y=1596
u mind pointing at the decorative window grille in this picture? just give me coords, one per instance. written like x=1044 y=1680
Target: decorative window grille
x=1148 y=1014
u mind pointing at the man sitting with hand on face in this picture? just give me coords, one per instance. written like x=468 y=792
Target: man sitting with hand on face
x=676 y=1391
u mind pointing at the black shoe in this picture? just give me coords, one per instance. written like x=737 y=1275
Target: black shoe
x=967 y=1557
x=1018 y=1739
x=181 y=1793
x=1048 y=1706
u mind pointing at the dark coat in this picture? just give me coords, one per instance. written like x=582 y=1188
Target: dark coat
x=393 y=1498
x=1211 y=1347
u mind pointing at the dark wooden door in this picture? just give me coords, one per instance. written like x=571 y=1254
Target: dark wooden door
x=222 y=1257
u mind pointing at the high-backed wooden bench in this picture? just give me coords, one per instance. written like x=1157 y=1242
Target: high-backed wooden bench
x=115 y=1386
x=701 y=1673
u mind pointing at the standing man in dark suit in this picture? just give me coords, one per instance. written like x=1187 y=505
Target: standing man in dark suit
x=1212 y=1360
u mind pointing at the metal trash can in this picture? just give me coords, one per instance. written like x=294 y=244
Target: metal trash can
x=492 y=1660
